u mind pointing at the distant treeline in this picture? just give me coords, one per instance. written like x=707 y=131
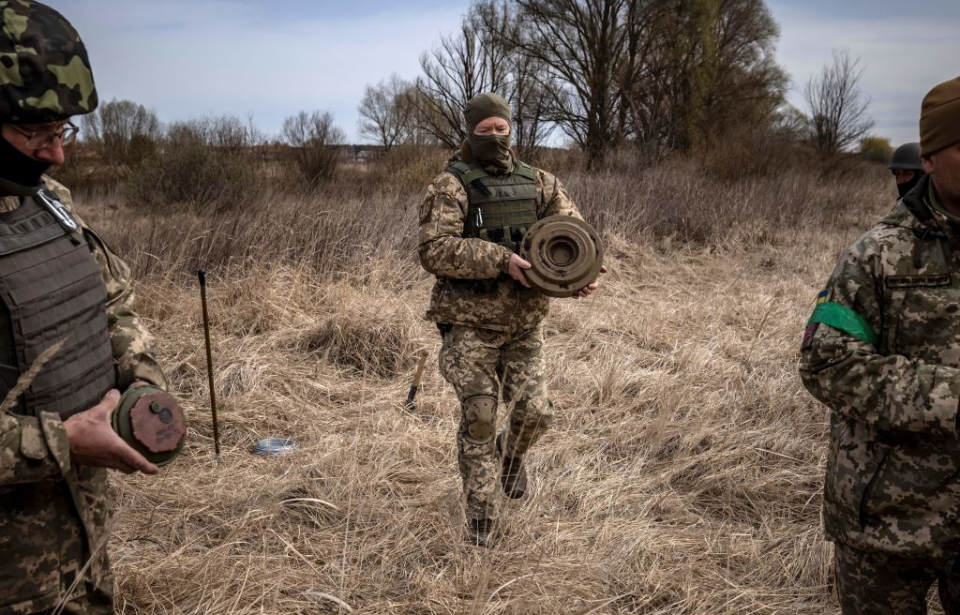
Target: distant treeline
x=634 y=80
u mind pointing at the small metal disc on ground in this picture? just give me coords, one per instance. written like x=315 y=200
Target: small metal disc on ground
x=566 y=255
x=274 y=446
x=152 y=422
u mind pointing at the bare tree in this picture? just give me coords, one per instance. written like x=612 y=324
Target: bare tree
x=838 y=109
x=122 y=132
x=498 y=26
x=581 y=45
x=386 y=113
x=484 y=57
x=458 y=69
x=314 y=142
x=697 y=69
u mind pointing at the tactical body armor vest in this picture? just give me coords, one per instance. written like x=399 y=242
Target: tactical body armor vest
x=51 y=290
x=501 y=208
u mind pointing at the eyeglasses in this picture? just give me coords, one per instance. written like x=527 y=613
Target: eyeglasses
x=39 y=139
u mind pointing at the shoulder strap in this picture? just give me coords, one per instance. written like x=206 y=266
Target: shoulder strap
x=525 y=170
x=469 y=174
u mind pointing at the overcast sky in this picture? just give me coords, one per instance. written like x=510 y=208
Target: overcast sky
x=274 y=58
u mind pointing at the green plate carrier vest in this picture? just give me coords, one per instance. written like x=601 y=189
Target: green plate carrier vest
x=501 y=209
x=51 y=290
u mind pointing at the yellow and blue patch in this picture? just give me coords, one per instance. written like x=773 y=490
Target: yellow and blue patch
x=811 y=328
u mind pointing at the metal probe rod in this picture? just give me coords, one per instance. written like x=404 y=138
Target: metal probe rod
x=206 y=333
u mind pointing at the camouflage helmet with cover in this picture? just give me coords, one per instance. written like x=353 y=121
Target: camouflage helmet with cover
x=906 y=158
x=45 y=73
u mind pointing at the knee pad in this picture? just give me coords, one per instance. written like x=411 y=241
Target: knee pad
x=479 y=418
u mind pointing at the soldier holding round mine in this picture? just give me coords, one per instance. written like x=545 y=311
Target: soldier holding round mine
x=472 y=220
x=882 y=350
x=66 y=298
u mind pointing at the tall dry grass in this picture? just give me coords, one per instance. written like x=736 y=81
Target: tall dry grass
x=683 y=474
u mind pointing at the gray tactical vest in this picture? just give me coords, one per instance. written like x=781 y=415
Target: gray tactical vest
x=501 y=208
x=51 y=289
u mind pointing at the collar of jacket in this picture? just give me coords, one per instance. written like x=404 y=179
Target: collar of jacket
x=9 y=188
x=926 y=217
x=917 y=203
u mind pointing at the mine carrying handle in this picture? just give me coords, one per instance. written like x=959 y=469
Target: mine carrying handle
x=202 y=275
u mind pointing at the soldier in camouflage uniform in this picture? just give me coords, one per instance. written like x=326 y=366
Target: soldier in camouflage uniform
x=472 y=218
x=882 y=350
x=59 y=283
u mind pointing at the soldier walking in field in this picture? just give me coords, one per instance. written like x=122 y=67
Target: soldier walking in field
x=59 y=284
x=882 y=350
x=472 y=219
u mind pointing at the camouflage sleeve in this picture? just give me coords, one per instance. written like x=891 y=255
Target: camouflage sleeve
x=133 y=352
x=889 y=392
x=443 y=251
x=32 y=449
x=555 y=200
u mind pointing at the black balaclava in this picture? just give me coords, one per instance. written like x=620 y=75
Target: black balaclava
x=906 y=187
x=489 y=150
x=18 y=168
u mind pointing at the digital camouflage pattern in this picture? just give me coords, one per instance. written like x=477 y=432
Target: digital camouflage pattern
x=473 y=287
x=45 y=73
x=893 y=471
x=873 y=583
x=35 y=451
x=482 y=364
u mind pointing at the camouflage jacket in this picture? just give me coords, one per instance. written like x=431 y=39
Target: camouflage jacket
x=503 y=305
x=63 y=508
x=891 y=376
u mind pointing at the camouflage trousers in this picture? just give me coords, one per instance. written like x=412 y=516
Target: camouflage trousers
x=95 y=604
x=879 y=584
x=483 y=366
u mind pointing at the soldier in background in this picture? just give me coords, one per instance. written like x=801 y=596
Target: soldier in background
x=59 y=283
x=907 y=168
x=882 y=350
x=488 y=316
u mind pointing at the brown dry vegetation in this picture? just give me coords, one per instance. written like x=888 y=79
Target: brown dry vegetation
x=683 y=474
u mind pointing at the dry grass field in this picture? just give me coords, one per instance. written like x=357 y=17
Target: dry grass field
x=683 y=474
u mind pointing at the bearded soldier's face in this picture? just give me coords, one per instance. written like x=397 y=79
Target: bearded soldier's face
x=944 y=169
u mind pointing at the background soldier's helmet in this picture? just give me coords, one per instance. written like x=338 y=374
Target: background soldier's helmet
x=906 y=158
x=44 y=69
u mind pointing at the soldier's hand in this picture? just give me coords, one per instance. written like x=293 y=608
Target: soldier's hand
x=94 y=443
x=516 y=267
x=587 y=290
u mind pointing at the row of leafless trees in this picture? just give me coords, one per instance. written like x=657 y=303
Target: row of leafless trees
x=655 y=74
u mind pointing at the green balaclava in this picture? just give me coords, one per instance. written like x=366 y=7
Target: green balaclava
x=489 y=150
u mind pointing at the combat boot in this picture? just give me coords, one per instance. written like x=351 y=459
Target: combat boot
x=480 y=532
x=513 y=476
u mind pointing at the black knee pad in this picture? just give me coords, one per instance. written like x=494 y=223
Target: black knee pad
x=479 y=418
